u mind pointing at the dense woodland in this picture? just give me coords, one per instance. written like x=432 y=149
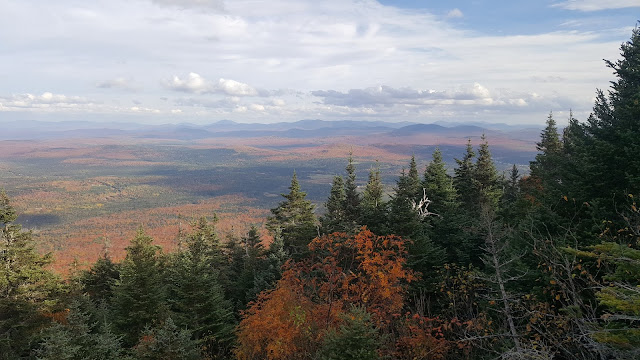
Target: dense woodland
x=463 y=265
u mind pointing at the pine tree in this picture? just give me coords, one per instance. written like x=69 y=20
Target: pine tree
x=195 y=295
x=443 y=228
x=27 y=288
x=356 y=339
x=549 y=162
x=609 y=167
x=463 y=179
x=98 y=281
x=487 y=187
x=295 y=218
x=373 y=206
x=351 y=197
x=139 y=295
x=335 y=219
x=167 y=342
x=439 y=185
x=80 y=337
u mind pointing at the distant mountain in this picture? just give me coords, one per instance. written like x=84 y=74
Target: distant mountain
x=309 y=128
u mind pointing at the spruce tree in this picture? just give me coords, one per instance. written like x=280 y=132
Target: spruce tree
x=609 y=167
x=98 y=281
x=547 y=166
x=351 y=197
x=438 y=185
x=139 y=295
x=195 y=295
x=374 y=214
x=463 y=179
x=167 y=341
x=27 y=288
x=487 y=187
x=295 y=219
x=335 y=219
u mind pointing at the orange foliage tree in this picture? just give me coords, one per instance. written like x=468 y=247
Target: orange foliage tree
x=342 y=271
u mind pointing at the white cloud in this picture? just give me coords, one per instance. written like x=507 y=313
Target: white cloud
x=216 y=5
x=192 y=83
x=232 y=87
x=256 y=107
x=455 y=13
x=117 y=83
x=196 y=84
x=596 y=5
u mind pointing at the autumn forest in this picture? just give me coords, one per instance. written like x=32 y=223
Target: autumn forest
x=460 y=260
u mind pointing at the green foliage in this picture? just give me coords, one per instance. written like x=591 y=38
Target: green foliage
x=335 y=218
x=139 y=295
x=166 y=342
x=351 y=197
x=194 y=293
x=295 y=218
x=374 y=214
x=356 y=338
x=80 y=337
x=98 y=281
x=27 y=289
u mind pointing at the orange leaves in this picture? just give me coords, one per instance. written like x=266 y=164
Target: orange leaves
x=363 y=270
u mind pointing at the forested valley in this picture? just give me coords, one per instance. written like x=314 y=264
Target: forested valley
x=466 y=264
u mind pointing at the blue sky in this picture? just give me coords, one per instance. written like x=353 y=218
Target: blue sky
x=200 y=61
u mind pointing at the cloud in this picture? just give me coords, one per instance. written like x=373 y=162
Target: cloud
x=232 y=87
x=117 y=83
x=213 y=5
x=596 y=5
x=47 y=100
x=193 y=83
x=196 y=84
x=455 y=13
x=386 y=95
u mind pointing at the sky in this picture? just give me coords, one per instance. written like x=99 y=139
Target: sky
x=201 y=61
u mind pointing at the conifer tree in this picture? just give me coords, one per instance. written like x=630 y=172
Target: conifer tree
x=195 y=295
x=464 y=175
x=139 y=295
x=335 y=218
x=80 y=337
x=487 y=187
x=609 y=143
x=439 y=185
x=295 y=218
x=351 y=197
x=167 y=341
x=373 y=206
x=547 y=166
x=27 y=288
x=98 y=281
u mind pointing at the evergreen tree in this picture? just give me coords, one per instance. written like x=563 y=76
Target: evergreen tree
x=27 y=288
x=139 y=295
x=195 y=295
x=79 y=337
x=438 y=185
x=167 y=342
x=335 y=218
x=487 y=187
x=547 y=167
x=98 y=281
x=403 y=218
x=463 y=179
x=373 y=206
x=443 y=228
x=356 y=339
x=609 y=143
x=295 y=218
x=351 y=197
